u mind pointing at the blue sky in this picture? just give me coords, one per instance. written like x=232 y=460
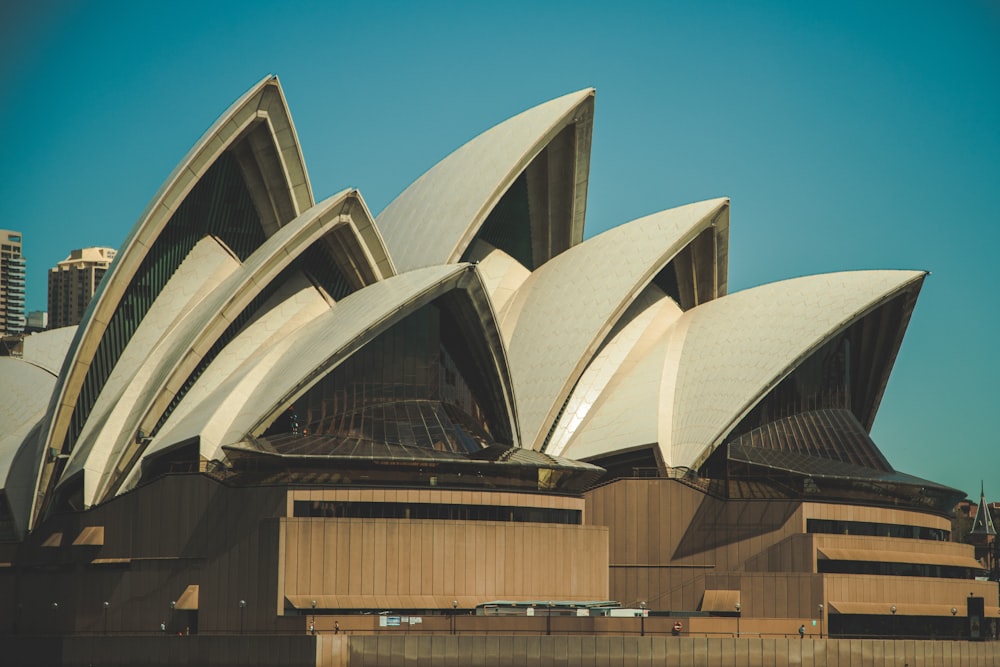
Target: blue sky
x=849 y=135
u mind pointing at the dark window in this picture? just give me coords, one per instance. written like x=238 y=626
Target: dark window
x=894 y=569
x=833 y=527
x=448 y=512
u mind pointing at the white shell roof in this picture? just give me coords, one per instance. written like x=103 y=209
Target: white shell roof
x=250 y=398
x=123 y=398
x=715 y=362
x=724 y=356
x=264 y=101
x=435 y=218
x=161 y=369
x=564 y=310
x=25 y=389
x=502 y=274
x=297 y=303
x=615 y=404
x=596 y=353
x=47 y=349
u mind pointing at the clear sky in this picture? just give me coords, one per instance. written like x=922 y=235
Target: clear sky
x=849 y=135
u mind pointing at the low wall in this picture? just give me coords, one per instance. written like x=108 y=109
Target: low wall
x=192 y=651
x=596 y=651
x=489 y=651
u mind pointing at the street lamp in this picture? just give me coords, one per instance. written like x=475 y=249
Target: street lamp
x=312 y=623
x=548 y=620
x=642 y=618
x=105 y=604
x=892 y=628
x=820 y=608
x=243 y=613
x=738 y=617
x=454 y=613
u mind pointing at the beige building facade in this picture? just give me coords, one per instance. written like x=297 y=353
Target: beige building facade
x=73 y=282
x=12 y=283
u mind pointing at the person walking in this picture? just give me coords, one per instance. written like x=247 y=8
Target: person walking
x=802 y=631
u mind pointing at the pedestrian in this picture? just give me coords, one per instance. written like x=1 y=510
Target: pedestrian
x=802 y=631
x=336 y=627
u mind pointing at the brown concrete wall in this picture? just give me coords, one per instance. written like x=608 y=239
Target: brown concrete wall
x=670 y=542
x=290 y=651
x=158 y=539
x=494 y=651
x=237 y=544
x=384 y=560
x=383 y=651
x=665 y=537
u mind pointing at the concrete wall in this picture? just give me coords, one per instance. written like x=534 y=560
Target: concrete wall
x=669 y=543
x=491 y=651
x=414 y=564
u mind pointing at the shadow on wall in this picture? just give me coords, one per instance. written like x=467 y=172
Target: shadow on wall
x=718 y=523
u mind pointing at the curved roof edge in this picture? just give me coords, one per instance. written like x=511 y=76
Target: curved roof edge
x=365 y=322
x=296 y=303
x=47 y=349
x=264 y=101
x=250 y=398
x=458 y=192
x=720 y=368
x=501 y=274
x=560 y=316
x=115 y=409
x=196 y=335
x=614 y=405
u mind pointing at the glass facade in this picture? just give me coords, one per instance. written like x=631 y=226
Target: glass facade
x=836 y=527
x=847 y=373
x=831 y=436
x=895 y=569
x=508 y=226
x=414 y=385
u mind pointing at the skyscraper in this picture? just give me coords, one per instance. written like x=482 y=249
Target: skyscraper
x=11 y=283
x=72 y=283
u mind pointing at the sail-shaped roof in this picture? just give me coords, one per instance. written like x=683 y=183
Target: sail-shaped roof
x=436 y=218
x=562 y=313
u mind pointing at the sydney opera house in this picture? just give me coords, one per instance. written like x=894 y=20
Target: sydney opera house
x=282 y=416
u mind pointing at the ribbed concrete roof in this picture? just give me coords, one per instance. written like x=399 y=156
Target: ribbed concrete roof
x=434 y=219
x=257 y=392
x=561 y=314
x=615 y=405
x=282 y=189
x=733 y=350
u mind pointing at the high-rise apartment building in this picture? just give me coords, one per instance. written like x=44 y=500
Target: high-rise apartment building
x=12 y=266
x=72 y=283
x=37 y=321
